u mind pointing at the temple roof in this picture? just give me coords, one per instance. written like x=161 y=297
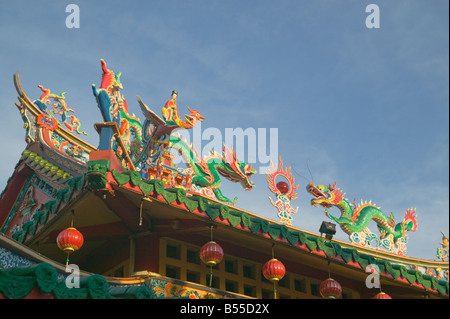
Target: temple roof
x=110 y=198
x=134 y=197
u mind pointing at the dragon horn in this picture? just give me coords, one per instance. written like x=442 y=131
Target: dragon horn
x=332 y=187
x=190 y=109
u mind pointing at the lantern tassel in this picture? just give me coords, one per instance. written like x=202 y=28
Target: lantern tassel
x=67 y=259
x=210 y=277
x=275 y=290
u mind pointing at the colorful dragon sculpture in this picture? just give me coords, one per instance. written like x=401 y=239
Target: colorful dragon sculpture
x=109 y=99
x=143 y=141
x=114 y=108
x=157 y=131
x=148 y=141
x=207 y=171
x=59 y=108
x=355 y=218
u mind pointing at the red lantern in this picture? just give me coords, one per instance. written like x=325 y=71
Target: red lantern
x=274 y=270
x=211 y=253
x=330 y=289
x=70 y=240
x=382 y=295
x=283 y=187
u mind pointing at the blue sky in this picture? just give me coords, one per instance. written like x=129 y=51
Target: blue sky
x=367 y=108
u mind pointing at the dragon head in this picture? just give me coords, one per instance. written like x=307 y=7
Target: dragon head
x=192 y=119
x=325 y=196
x=234 y=170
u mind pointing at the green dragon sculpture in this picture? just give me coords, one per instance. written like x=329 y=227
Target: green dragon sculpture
x=355 y=218
x=146 y=142
x=207 y=171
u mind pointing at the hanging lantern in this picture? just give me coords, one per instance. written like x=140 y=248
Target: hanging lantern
x=382 y=295
x=211 y=253
x=274 y=270
x=330 y=289
x=69 y=240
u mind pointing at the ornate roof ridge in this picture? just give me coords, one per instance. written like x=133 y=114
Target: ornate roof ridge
x=340 y=252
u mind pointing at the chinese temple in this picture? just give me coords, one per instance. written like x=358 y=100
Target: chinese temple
x=121 y=220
